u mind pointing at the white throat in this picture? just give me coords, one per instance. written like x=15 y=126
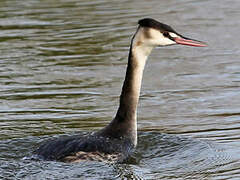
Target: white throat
x=140 y=48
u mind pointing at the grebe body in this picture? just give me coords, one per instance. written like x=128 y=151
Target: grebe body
x=117 y=140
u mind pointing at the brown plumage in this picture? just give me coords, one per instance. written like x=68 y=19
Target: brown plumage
x=118 y=139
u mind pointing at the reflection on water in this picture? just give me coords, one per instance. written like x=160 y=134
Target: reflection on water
x=61 y=68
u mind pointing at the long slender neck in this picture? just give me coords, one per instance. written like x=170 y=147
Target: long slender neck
x=125 y=122
x=131 y=88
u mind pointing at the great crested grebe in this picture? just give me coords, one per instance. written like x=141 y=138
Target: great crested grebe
x=116 y=141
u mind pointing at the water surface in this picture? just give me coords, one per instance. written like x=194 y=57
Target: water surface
x=62 y=66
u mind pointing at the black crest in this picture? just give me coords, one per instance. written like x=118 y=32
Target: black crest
x=149 y=22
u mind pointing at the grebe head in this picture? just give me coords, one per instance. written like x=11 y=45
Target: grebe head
x=152 y=33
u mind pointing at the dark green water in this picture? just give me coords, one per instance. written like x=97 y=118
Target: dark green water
x=62 y=65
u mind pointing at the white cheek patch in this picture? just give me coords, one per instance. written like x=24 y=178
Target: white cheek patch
x=158 y=39
x=154 y=33
x=165 y=41
x=150 y=38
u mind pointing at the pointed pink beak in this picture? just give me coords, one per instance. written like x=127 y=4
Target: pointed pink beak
x=189 y=42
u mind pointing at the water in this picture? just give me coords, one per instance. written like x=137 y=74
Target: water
x=61 y=70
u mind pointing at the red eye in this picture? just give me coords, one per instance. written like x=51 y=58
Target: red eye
x=165 y=34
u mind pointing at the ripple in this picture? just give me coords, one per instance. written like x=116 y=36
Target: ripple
x=62 y=66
